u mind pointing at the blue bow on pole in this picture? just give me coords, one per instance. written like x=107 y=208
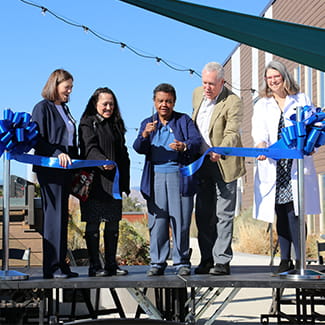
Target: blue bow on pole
x=297 y=140
x=17 y=132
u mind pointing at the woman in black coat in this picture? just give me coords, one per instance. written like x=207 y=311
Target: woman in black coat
x=101 y=137
x=57 y=139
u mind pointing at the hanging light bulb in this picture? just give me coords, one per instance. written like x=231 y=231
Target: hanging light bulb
x=44 y=10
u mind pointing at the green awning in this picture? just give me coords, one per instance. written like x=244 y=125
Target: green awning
x=299 y=43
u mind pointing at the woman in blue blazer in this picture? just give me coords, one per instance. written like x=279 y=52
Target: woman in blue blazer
x=169 y=140
x=57 y=139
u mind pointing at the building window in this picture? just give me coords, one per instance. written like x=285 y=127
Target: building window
x=321 y=178
x=235 y=72
x=255 y=80
x=320 y=89
x=309 y=82
x=297 y=75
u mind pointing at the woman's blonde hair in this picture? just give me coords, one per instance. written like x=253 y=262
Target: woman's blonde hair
x=290 y=86
x=56 y=77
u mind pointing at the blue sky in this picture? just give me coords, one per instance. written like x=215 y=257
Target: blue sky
x=33 y=45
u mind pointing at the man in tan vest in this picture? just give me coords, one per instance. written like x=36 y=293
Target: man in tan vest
x=217 y=113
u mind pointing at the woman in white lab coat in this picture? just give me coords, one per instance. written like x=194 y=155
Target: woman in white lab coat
x=275 y=185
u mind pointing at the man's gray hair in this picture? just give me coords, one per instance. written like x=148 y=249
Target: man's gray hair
x=215 y=66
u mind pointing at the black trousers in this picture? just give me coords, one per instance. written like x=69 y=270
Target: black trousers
x=287 y=226
x=111 y=233
x=55 y=190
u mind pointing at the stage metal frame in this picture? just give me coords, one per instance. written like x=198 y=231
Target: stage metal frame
x=203 y=290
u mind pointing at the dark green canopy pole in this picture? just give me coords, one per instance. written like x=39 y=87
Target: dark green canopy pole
x=299 y=43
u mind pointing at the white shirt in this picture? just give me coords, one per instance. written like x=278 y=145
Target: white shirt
x=203 y=121
x=69 y=124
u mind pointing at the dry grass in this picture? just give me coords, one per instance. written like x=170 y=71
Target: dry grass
x=141 y=226
x=253 y=236
x=76 y=228
x=133 y=245
x=250 y=236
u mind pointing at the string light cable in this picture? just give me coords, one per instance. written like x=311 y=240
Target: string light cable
x=123 y=45
x=241 y=89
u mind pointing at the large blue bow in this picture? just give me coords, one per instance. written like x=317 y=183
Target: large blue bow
x=297 y=140
x=305 y=135
x=18 y=134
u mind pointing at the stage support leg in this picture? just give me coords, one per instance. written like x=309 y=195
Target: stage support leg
x=225 y=303
x=145 y=303
x=5 y=273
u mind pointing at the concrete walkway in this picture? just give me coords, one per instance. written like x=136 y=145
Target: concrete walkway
x=249 y=303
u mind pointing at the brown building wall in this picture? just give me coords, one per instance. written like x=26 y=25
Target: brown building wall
x=296 y=11
x=247 y=96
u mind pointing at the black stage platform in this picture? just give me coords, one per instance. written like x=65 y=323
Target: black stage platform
x=177 y=298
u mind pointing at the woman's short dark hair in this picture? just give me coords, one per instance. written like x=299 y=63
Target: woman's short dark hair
x=166 y=88
x=49 y=91
x=92 y=110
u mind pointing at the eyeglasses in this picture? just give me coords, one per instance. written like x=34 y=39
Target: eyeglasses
x=276 y=77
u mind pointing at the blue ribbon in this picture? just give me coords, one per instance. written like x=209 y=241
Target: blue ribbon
x=297 y=140
x=53 y=162
x=18 y=134
x=270 y=152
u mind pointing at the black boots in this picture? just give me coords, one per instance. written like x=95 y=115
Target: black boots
x=95 y=267
x=110 y=243
x=285 y=266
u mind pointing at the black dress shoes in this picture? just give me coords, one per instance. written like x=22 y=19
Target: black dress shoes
x=154 y=271
x=220 y=269
x=121 y=271
x=115 y=270
x=72 y=274
x=184 y=271
x=60 y=275
x=99 y=272
x=203 y=268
